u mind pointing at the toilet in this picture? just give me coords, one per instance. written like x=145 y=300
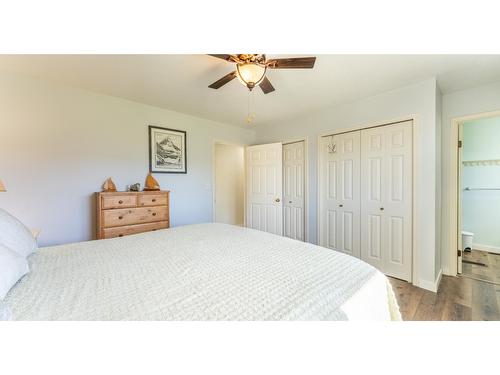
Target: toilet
x=467 y=238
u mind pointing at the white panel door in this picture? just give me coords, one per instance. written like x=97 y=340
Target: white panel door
x=264 y=207
x=386 y=198
x=293 y=190
x=340 y=193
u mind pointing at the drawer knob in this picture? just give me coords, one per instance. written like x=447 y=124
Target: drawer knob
x=153 y=200
x=120 y=217
x=120 y=202
x=154 y=213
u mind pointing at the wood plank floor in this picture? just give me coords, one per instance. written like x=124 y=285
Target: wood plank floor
x=489 y=272
x=458 y=298
x=475 y=295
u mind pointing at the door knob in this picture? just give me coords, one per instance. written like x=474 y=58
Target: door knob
x=381 y=208
x=341 y=205
x=277 y=200
x=289 y=201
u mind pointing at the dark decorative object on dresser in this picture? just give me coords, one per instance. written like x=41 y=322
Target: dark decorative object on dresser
x=135 y=187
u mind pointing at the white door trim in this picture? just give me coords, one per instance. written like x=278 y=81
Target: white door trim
x=306 y=183
x=451 y=266
x=416 y=191
x=229 y=143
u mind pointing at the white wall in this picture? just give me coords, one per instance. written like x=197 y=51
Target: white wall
x=473 y=101
x=58 y=144
x=481 y=208
x=229 y=184
x=417 y=101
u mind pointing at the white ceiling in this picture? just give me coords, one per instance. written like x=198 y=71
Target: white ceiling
x=179 y=82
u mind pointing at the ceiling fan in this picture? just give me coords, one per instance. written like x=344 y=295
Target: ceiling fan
x=251 y=69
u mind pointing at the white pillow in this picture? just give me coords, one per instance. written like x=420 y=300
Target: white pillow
x=5 y=313
x=12 y=268
x=15 y=235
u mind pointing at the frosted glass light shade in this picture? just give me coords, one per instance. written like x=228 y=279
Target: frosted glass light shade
x=250 y=74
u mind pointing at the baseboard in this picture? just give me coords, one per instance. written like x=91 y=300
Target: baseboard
x=490 y=249
x=438 y=279
x=431 y=285
x=447 y=272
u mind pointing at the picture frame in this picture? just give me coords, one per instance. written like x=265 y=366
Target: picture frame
x=167 y=150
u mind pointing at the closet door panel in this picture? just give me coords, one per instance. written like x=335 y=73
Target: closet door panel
x=386 y=198
x=339 y=192
x=327 y=192
x=374 y=179
x=347 y=178
x=331 y=229
x=396 y=242
x=398 y=200
x=348 y=232
x=349 y=187
x=293 y=192
x=329 y=169
x=372 y=182
x=331 y=172
x=374 y=239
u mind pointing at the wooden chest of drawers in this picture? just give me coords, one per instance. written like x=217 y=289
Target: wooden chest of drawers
x=123 y=213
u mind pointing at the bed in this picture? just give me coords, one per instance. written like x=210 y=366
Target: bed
x=200 y=272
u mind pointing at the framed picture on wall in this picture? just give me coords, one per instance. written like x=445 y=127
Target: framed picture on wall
x=167 y=150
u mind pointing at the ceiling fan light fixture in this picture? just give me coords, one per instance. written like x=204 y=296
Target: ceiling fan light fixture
x=250 y=74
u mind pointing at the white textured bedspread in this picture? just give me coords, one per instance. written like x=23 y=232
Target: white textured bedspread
x=200 y=272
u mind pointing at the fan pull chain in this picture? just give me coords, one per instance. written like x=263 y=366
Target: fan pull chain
x=250 y=115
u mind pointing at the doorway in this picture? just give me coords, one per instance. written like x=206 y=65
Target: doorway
x=229 y=184
x=276 y=188
x=479 y=199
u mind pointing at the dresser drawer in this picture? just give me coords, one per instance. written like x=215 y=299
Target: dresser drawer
x=128 y=216
x=152 y=200
x=133 y=229
x=119 y=201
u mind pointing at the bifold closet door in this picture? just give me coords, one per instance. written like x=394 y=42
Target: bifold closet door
x=386 y=198
x=293 y=190
x=340 y=193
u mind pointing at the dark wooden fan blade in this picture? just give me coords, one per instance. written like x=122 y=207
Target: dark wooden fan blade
x=292 y=63
x=221 y=82
x=266 y=86
x=223 y=57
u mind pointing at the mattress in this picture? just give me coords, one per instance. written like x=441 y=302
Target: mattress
x=200 y=272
